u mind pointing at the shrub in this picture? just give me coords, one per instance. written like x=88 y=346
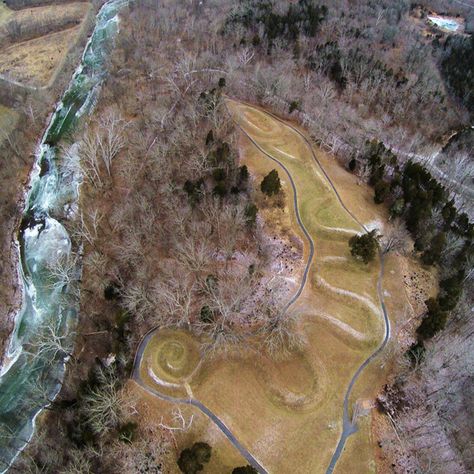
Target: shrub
x=294 y=105
x=112 y=291
x=206 y=315
x=191 y=460
x=127 y=432
x=416 y=353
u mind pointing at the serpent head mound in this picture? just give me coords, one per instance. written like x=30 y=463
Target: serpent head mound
x=171 y=357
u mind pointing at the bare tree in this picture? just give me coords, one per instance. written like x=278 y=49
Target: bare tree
x=100 y=147
x=86 y=227
x=135 y=299
x=110 y=137
x=396 y=238
x=105 y=406
x=245 y=55
x=195 y=256
x=90 y=160
x=79 y=463
x=145 y=455
x=173 y=299
x=281 y=336
x=64 y=272
x=52 y=341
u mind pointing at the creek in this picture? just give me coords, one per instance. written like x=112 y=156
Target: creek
x=49 y=272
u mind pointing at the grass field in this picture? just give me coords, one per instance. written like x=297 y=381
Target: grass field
x=153 y=411
x=43 y=36
x=8 y=121
x=288 y=414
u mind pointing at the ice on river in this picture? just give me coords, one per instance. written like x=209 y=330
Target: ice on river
x=46 y=243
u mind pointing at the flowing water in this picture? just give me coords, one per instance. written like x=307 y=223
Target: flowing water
x=43 y=331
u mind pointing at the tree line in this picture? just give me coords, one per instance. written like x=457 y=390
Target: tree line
x=442 y=234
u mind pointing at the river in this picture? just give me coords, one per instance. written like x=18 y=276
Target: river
x=44 y=327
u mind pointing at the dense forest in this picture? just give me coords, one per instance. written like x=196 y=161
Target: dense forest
x=457 y=66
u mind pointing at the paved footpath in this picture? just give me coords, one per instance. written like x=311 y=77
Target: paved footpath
x=348 y=427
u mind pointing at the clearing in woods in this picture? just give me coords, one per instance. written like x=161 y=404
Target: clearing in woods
x=35 y=41
x=288 y=413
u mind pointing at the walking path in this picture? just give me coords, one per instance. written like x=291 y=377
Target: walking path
x=189 y=401
x=348 y=427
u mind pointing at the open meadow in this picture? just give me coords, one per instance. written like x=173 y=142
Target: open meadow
x=35 y=41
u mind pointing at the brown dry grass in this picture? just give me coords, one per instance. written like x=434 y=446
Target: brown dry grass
x=33 y=62
x=8 y=120
x=289 y=413
x=46 y=35
x=37 y=21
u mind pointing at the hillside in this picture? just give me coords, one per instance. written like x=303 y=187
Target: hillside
x=257 y=230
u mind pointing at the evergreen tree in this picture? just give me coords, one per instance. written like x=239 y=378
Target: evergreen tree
x=451 y=289
x=433 y=322
x=191 y=460
x=251 y=211
x=352 y=164
x=364 y=247
x=220 y=189
x=271 y=184
x=244 y=470
x=382 y=190
x=209 y=137
x=433 y=254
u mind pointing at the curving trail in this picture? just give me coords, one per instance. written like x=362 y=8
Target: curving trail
x=190 y=401
x=348 y=427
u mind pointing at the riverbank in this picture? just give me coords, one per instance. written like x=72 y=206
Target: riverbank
x=28 y=120
x=33 y=376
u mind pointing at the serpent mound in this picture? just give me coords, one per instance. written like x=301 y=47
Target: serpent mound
x=293 y=384
x=171 y=357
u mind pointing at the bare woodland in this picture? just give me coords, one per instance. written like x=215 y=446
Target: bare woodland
x=164 y=215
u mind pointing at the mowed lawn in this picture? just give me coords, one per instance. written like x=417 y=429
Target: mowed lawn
x=291 y=437
x=288 y=414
